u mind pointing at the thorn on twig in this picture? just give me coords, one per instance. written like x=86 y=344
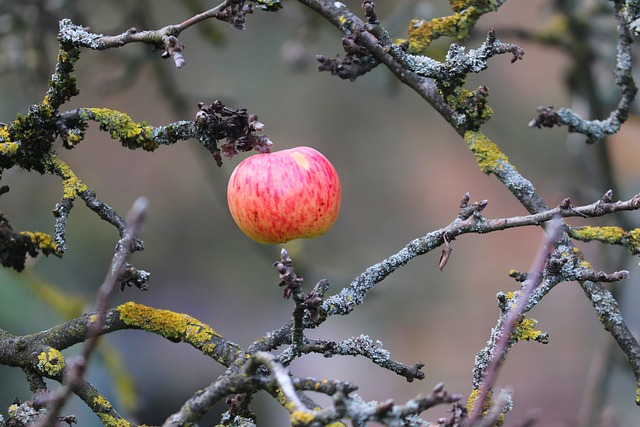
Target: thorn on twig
x=4 y=189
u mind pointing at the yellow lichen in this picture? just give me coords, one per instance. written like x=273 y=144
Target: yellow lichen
x=121 y=126
x=103 y=409
x=71 y=184
x=51 y=362
x=510 y=295
x=459 y=25
x=280 y=397
x=486 y=405
x=102 y=403
x=610 y=235
x=4 y=134
x=9 y=148
x=43 y=241
x=602 y=234
x=488 y=155
x=109 y=420
x=301 y=417
x=473 y=397
x=13 y=409
x=634 y=240
x=171 y=325
x=526 y=330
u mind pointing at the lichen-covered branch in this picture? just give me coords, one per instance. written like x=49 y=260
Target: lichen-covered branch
x=75 y=372
x=362 y=345
x=471 y=222
x=166 y=38
x=28 y=142
x=511 y=328
x=596 y=130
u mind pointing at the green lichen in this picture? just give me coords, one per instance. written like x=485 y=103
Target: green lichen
x=473 y=105
x=42 y=241
x=488 y=155
x=422 y=33
x=74 y=137
x=51 y=362
x=36 y=133
x=610 y=235
x=62 y=85
x=173 y=326
x=120 y=126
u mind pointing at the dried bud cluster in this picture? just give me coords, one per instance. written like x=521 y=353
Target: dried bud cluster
x=219 y=122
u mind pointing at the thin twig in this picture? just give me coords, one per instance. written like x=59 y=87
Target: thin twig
x=512 y=317
x=75 y=370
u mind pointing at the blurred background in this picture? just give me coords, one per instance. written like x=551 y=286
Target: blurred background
x=403 y=172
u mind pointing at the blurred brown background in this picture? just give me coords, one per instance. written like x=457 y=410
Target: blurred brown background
x=403 y=172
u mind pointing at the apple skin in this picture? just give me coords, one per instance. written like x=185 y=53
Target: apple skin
x=285 y=195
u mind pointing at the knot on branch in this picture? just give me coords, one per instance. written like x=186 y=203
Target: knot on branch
x=216 y=122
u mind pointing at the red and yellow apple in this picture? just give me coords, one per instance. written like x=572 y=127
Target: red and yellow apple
x=285 y=195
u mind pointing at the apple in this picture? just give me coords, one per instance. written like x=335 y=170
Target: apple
x=285 y=195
